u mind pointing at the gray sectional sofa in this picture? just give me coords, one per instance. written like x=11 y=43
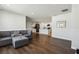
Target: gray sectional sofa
x=7 y=37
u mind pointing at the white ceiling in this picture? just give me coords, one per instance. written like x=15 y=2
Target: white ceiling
x=37 y=11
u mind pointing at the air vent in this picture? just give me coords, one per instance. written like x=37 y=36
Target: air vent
x=64 y=10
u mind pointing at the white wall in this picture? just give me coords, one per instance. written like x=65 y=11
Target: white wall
x=63 y=33
x=11 y=21
x=75 y=26
x=71 y=32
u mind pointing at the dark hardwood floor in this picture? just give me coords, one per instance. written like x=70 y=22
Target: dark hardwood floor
x=41 y=44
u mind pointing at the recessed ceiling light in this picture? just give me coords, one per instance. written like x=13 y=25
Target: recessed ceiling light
x=32 y=13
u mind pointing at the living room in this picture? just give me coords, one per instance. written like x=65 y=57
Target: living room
x=58 y=28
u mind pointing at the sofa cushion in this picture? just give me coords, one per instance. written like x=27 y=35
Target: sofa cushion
x=5 y=38
x=15 y=35
x=26 y=35
x=5 y=34
x=23 y=32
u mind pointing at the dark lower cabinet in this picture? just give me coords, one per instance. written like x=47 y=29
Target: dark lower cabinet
x=77 y=51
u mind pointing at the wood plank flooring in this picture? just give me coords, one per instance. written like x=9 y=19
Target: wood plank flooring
x=41 y=44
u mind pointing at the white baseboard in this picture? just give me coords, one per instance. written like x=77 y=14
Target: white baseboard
x=61 y=37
